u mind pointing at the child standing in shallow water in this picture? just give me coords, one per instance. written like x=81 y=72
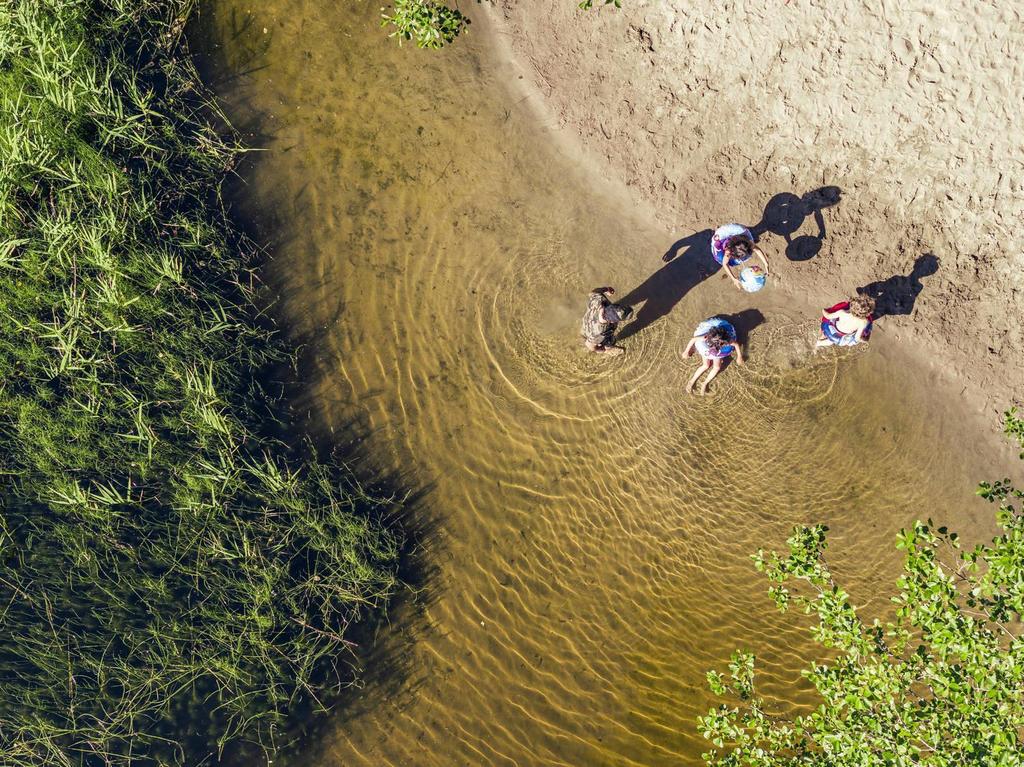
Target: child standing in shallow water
x=715 y=341
x=601 y=320
x=848 y=323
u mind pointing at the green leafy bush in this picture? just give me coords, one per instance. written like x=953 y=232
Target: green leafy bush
x=429 y=24
x=941 y=684
x=160 y=555
x=434 y=25
x=1013 y=427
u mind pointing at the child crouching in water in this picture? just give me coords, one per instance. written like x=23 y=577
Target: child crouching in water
x=848 y=323
x=715 y=340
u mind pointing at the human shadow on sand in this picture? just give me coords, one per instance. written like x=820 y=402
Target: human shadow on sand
x=785 y=213
x=897 y=294
x=689 y=264
x=745 y=322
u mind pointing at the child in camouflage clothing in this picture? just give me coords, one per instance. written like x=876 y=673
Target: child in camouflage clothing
x=601 y=320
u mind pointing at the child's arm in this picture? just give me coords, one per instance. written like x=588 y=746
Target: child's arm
x=728 y=270
x=764 y=259
x=688 y=351
x=740 y=359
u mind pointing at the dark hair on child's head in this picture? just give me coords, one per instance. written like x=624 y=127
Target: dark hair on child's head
x=739 y=247
x=716 y=338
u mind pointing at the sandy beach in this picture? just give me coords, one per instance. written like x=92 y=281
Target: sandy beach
x=867 y=144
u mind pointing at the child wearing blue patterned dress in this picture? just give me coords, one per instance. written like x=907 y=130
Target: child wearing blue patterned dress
x=732 y=245
x=715 y=340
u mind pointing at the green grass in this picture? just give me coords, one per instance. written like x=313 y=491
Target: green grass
x=160 y=554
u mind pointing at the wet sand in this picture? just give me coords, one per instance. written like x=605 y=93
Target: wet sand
x=432 y=244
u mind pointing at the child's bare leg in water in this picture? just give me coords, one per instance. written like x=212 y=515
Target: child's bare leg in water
x=716 y=367
x=693 y=379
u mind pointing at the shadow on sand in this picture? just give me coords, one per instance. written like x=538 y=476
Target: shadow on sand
x=745 y=322
x=897 y=294
x=785 y=213
x=689 y=264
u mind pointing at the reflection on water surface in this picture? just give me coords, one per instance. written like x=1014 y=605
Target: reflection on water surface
x=434 y=247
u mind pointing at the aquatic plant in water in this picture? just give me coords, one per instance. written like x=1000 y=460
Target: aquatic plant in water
x=940 y=684
x=427 y=23
x=1013 y=427
x=161 y=555
x=434 y=25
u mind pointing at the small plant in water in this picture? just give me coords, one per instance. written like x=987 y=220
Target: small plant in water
x=1013 y=427
x=429 y=24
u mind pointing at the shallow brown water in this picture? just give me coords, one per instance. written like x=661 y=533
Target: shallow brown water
x=433 y=244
